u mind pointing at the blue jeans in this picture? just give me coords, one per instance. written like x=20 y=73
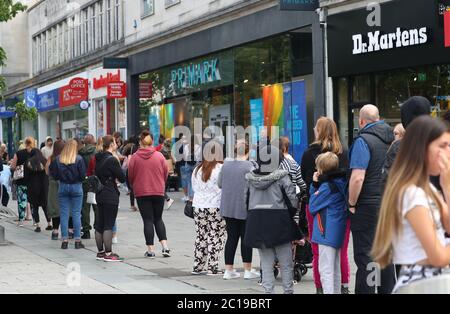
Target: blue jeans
x=186 y=177
x=70 y=202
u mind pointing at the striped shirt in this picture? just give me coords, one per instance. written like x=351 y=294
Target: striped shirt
x=295 y=173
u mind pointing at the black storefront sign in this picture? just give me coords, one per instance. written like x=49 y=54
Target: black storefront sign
x=299 y=5
x=411 y=34
x=115 y=63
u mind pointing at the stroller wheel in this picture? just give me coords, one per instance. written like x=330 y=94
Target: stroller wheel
x=297 y=275
x=303 y=269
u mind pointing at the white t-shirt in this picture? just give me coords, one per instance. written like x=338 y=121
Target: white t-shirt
x=407 y=248
x=206 y=194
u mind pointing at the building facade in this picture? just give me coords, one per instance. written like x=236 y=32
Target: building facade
x=385 y=55
x=233 y=62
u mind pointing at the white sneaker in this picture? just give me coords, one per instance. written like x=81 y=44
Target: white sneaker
x=231 y=274
x=169 y=203
x=252 y=274
x=114 y=240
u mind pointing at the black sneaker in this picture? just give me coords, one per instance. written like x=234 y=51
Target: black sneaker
x=100 y=256
x=319 y=291
x=79 y=245
x=86 y=235
x=344 y=290
x=49 y=228
x=166 y=252
x=150 y=254
x=38 y=229
x=54 y=236
x=64 y=245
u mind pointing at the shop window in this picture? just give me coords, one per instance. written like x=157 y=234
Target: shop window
x=342 y=106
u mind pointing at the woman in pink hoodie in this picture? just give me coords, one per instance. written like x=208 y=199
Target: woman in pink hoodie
x=147 y=173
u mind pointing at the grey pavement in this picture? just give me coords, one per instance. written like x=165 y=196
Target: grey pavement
x=32 y=263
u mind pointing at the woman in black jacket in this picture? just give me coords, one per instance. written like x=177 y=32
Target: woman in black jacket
x=37 y=186
x=108 y=170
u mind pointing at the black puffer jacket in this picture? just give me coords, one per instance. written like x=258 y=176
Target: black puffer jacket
x=108 y=170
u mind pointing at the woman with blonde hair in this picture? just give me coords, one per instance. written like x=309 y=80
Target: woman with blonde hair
x=414 y=217
x=70 y=171
x=326 y=140
x=17 y=165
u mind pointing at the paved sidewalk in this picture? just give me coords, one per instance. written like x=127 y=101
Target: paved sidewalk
x=35 y=264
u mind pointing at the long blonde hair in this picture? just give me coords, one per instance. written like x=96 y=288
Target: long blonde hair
x=69 y=153
x=410 y=168
x=328 y=136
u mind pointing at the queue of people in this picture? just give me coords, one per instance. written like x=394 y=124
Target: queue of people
x=389 y=191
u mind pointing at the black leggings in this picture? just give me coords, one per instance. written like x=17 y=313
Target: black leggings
x=236 y=230
x=105 y=218
x=151 y=209
x=131 y=198
x=55 y=222
x=35 y=213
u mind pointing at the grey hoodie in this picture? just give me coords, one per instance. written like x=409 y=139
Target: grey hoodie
x=265 y=190
x=270 y=221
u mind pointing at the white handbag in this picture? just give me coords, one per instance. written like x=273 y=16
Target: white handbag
x=91 y=198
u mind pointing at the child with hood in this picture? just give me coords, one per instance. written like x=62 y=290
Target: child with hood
x=329 y=208
x=270 y=226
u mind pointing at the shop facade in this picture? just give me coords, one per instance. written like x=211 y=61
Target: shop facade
x=60 y=114
x=272 y=75
x=407 y=55
x=109 y=109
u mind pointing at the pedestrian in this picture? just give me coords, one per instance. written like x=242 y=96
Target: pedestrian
x=412 y=108
x=108 y=170
x=87 y=152
x=37 y=186
x=161 y=140
x=130 y=148
x=191 y=152
x=4 y=153
x=147 y=173
x=166 y=151
x=70 y=170
x=414 y=216
x=17 y=165
x=233 y=208
x=367 y=156
x=292 y=167
x=328 y=205
x=399 y=132
x=209 y=225
x=53 y=187
x=47 y=150
x=270 y=223
x=326 y=140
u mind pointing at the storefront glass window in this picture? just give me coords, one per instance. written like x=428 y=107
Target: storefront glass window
x=255 y=84
x=74 y=123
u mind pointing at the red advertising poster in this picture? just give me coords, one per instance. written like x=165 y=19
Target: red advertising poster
x=116 y=90
x=447 y=28
x=66 y=97
x=145 y=89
